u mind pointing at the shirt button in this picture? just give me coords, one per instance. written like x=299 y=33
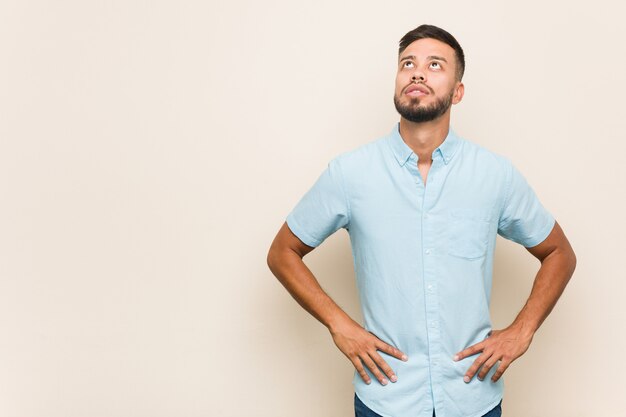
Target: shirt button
x=427 y=251
x=430 y=286
x=426 y=215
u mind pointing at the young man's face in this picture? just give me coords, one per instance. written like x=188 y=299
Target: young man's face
x=430 y=65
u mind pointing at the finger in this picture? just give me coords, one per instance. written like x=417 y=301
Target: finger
x=472 y=350
x=356 y=361
x=487 y=366
x=384 y=347
x=384 y=366
x=501 y=368
x=372 y=366
x=475 y=366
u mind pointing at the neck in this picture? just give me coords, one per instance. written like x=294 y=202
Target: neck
x=423 y=138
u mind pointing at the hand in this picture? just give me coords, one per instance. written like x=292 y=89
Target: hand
x=359 y=345
x=502 y=345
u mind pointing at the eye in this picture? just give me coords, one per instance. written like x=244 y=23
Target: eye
x=407 y=62
x=437 y=63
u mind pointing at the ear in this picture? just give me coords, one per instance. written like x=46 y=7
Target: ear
x=458 y=93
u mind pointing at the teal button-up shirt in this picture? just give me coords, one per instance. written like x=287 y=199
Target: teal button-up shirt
x=423 y=258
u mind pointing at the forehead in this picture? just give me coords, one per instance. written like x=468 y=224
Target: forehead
x=426 y=47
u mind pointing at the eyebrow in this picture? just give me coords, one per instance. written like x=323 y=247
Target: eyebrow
x=440 y=58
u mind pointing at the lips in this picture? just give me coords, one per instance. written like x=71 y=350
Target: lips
x=416 y=89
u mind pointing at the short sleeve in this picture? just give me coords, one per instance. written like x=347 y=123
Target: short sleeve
x=523 y=218
x=323 y=209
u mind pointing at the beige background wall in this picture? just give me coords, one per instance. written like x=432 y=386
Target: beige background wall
x=149 y=151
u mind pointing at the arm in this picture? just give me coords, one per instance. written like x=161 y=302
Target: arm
x=558 y=262
x=285 y=261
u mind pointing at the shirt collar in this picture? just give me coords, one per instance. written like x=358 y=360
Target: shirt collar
x=402 y=151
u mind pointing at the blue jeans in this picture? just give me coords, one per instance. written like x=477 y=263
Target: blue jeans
x=361 y=410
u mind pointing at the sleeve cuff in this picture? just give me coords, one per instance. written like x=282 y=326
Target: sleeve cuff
x=540 y=237
x=300 y=233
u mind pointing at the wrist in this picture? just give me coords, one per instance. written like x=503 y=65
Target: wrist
x=525 y=328
x=339 y=322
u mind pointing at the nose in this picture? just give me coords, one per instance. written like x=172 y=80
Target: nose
x=418 y=74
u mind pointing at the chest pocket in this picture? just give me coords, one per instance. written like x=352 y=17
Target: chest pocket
x=468 y=232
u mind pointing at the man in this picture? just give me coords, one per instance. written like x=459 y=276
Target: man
x=423 y=207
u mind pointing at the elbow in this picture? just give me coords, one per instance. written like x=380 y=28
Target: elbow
x=270 y=259
x=570 y=261
x=573 y=261
x=274 y=257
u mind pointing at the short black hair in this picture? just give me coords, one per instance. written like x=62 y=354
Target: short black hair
x=434 y=32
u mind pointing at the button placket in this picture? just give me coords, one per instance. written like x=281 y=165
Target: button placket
x=430 y=193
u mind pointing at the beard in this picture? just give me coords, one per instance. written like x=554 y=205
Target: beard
x=415 y=113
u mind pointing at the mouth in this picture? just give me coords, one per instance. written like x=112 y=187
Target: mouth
x=416 y=90
x=416 y=93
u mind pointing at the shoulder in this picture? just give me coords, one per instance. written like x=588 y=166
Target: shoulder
x=361 y=155
x=487 y=158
